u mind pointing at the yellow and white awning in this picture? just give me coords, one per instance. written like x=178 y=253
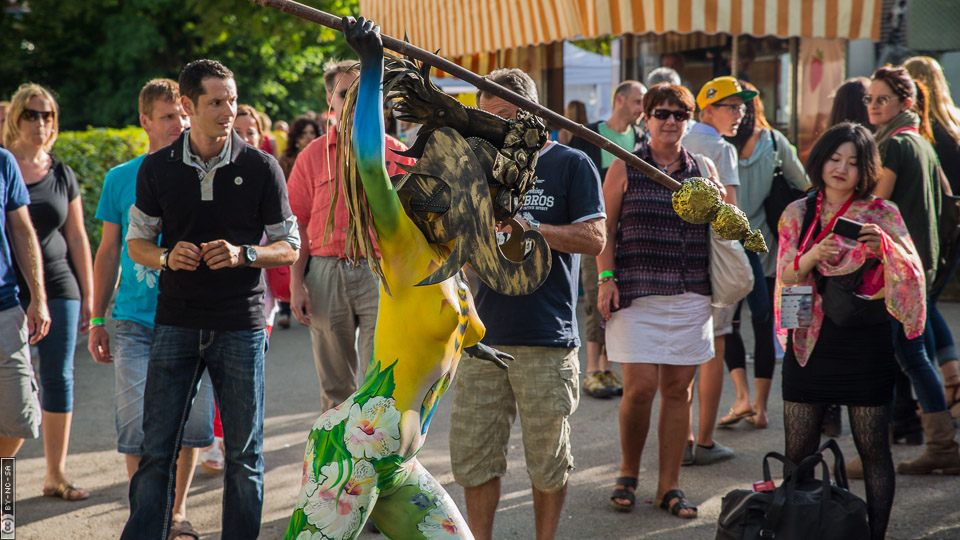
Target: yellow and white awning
x=460 y=28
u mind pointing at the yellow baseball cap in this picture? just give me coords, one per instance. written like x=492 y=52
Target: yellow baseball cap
x=722 y=88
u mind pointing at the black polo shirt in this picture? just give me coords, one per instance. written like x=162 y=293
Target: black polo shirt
x=249 y=193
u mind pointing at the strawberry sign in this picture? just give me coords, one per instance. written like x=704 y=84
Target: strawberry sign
x=816 y=70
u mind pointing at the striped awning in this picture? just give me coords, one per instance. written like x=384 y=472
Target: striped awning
x=467 y=27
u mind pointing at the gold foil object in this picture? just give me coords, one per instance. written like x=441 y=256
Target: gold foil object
x=731 y=223
x=755 y=243
x=697 y=201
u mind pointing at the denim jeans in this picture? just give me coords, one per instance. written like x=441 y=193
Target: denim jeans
x=178 y=358
x=758 y=300
x=943 y=344
x=131 y=357
x=56 y=351
x=913 y=357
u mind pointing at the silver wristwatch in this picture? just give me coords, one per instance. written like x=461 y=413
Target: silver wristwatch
x=534 y=224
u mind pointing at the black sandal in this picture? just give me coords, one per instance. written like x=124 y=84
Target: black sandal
x=627 y=482
x=680 y=504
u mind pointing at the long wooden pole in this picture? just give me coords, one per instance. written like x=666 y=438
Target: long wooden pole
x=332 y=21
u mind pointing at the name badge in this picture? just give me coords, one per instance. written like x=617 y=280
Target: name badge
x=796 y=307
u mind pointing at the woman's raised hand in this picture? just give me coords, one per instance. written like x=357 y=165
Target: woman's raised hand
x=363 y=36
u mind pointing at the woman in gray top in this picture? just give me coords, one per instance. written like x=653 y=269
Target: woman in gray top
x=761 y=150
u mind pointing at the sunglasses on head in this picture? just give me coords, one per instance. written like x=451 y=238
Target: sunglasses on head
x=663 y=114
x=34 y=116
x=879 y=100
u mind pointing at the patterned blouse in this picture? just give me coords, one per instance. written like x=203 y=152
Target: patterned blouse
x=657 y=253
x=904 y=283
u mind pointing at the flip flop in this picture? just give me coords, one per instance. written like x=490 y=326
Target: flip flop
x=180 y=528
x=734 y=417
x=66 y=491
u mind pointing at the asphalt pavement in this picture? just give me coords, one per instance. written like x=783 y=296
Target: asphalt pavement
x=926 y=507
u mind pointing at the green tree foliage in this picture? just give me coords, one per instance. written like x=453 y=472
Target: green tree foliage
x=91 y=154
x=97 y=54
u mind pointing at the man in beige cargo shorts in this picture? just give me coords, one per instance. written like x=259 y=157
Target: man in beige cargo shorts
x=540 y=331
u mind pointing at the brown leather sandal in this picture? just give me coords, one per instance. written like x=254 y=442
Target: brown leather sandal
x=180 y=528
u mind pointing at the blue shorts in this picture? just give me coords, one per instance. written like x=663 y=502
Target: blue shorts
x=131 y=355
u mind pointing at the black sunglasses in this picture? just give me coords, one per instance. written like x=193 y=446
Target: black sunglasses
x=679 y=116
x=34 y=116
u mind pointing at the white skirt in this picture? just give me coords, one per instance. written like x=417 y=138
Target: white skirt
x=675 y=330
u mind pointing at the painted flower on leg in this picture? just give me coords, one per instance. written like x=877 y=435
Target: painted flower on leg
x=437 y=525
x=308 y=481
x=330 y=419
x=336 y=509
x=373 y=431
x=307 y=535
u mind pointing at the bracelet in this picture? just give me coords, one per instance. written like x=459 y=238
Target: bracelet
x=98 y=321
x=605 y=279
x=606 y=273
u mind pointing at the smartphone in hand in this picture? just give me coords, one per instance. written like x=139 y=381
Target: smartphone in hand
x=847 y=228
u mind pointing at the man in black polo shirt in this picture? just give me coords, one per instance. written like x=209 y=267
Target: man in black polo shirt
x=209 y=197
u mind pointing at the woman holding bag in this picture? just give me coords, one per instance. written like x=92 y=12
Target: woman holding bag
x=654 y=293
x=841 y=361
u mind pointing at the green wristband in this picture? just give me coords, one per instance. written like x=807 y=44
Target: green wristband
x=606 y=273
x=97 y=321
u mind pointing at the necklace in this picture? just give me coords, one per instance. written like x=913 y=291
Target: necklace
x=667 y=166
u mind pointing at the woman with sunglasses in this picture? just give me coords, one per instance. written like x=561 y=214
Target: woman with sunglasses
x=910 y=177
x=654 y=293
x=57 y=213
x=761 y=149
x=825 y=363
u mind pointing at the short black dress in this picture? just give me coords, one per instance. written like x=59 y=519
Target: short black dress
x=848 y=366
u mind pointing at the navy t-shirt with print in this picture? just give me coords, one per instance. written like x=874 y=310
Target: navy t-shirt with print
x=567 y=191
x=13 y=195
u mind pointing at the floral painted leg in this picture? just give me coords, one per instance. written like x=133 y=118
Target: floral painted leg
x=349 y=447
x=419 y=508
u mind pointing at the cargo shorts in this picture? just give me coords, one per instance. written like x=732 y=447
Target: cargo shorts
x=19 y=396
x=542 y=385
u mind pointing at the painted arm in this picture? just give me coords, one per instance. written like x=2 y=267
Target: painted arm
x=78 y=246
x=368 y=130
x=105 y=273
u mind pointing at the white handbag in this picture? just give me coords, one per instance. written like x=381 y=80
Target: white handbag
x=731 y=277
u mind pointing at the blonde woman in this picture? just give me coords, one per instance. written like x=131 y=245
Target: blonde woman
x=945 y=121
x=57 y=214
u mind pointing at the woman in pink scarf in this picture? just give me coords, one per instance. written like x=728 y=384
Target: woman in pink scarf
x=850 y=362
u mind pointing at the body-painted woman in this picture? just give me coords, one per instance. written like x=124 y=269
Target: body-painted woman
x=473 y=170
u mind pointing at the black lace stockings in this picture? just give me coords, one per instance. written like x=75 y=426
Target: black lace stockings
x=870 y=427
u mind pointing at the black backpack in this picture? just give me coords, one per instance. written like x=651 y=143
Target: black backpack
x=801 y=508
